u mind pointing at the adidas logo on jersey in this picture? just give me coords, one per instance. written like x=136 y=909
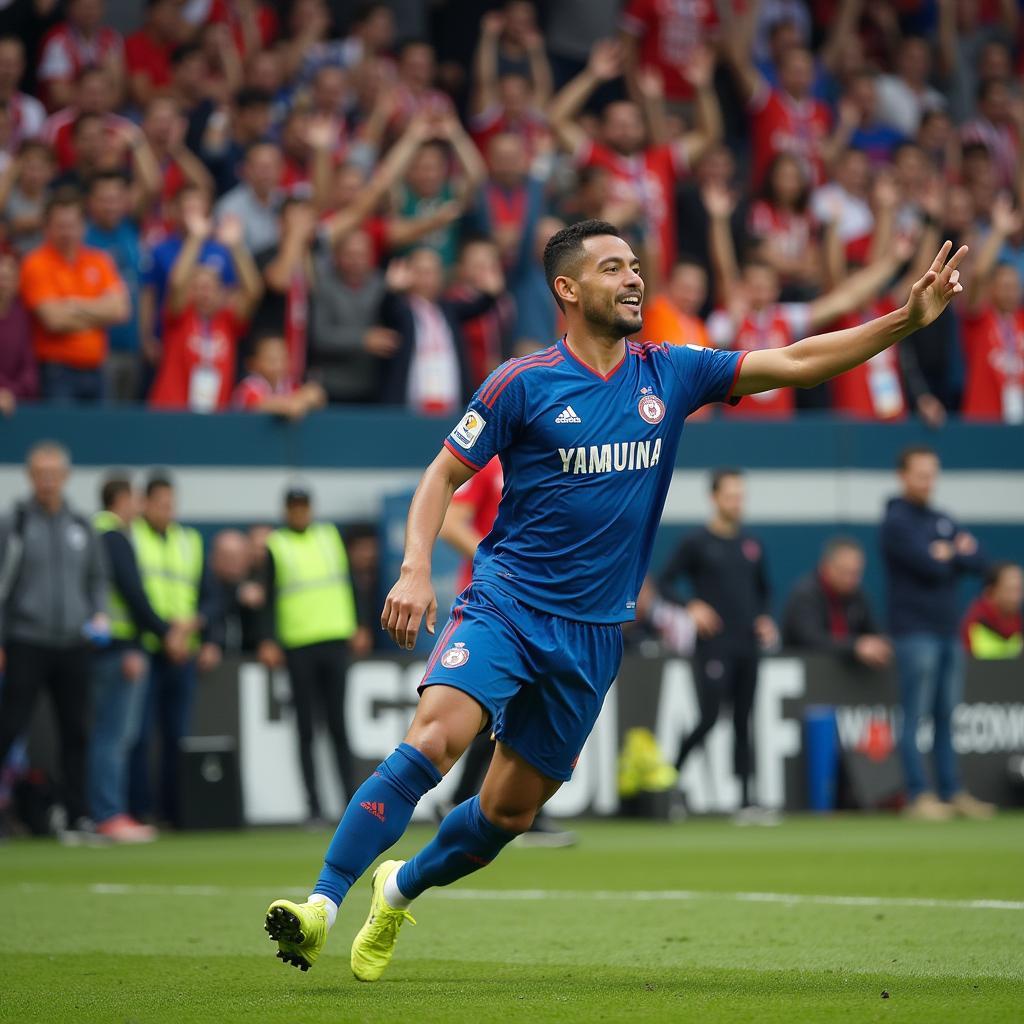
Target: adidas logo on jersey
x=568 y=415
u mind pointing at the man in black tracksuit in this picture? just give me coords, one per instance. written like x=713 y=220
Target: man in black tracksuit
x=729 y=599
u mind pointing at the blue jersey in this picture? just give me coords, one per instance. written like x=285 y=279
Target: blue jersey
x=587 y=461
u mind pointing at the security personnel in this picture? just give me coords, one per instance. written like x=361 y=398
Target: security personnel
x=312 y=616
x=180 y=588
x=993 y=627
x=119 y=669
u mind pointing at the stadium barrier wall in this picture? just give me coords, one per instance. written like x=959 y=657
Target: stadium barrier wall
x=808 y=478
x=242 y=699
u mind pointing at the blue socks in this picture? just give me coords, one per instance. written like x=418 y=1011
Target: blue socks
x=465 y=842
x=376 y=816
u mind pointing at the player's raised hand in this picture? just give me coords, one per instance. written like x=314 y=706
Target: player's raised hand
x=934 y=291
x=410 y=599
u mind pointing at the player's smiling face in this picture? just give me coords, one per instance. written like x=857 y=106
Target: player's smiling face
x=611 y=288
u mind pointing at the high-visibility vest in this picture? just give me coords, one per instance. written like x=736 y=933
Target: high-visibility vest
x=121 y=625
x=171 y=566
x=988 y=644
x=313 y=590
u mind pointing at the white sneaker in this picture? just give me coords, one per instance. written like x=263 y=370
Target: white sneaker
x=754 y=815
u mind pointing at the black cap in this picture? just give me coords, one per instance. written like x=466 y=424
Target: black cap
x=297 y=495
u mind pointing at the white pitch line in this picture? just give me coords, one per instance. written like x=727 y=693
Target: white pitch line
x=572 y=895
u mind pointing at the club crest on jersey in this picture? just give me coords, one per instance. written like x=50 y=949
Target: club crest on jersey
x=455 y=657
x=651 y=409
x=469 y=429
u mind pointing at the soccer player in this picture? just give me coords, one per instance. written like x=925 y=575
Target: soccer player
x=587 y=432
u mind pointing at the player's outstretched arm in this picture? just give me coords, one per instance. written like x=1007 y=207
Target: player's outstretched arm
x=822 y=357
x=412 y=596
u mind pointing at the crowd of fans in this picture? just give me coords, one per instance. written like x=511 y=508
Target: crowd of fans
x=243 y=204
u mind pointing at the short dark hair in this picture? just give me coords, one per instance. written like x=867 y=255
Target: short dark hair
x=723 y=473
x=157 y=480
x=840 y=543
x=183 y=51
x=101 y=176
x=564 y=251
x=66 y=195
x=112 y=489
x=910 y=451
x=264 y=338
x=249 y=96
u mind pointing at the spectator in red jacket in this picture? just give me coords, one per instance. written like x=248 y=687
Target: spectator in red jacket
x=76 y=44
x=993 y=627
x=204 y=321
x=148 y=51
x=994 y=330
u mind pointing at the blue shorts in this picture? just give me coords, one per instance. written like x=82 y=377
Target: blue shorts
x=542 y=678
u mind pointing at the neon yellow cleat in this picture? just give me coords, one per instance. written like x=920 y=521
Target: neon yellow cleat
x=374 y=946
x=300 y=931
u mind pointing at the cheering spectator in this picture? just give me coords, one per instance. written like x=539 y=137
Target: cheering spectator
x=488 y=335
x=781 y=228
x=415 y=91
x=204 y=322
x=76 y=44
x=753 y=318
x=27 y=113
x=148 y=51
x=643 y=165
x=905 y=97
x=994 y=331
x=926 y=552
x=536 y=318
x=786 y=118
x=231 y=132
x=859 y=125
x=18 y=377
x=998 y=128
x=429 y=371
x=74 y=295
x=268 y=387
x=846 y=201
x=509 y=101
x=993 y=627
x=95 y=94
x=256 y=200
x=24 y=186
x=828 y=610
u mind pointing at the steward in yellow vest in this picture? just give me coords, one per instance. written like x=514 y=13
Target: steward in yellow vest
x=311 y=614
x=993 y=627
x=179 y=587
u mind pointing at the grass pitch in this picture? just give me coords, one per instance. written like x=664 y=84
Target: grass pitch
x=638 y=923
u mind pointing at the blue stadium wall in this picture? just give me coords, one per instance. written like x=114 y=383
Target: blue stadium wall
x=807 y=479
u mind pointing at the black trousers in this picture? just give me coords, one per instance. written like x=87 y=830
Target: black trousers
x=724 y=677
x=317 y=674
x=64 y=672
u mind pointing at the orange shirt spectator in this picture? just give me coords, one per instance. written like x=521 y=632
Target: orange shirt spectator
x=74 y=294
x=674 y=316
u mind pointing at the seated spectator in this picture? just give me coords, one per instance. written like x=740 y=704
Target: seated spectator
x=256 y=200
x=112 y=230
x=346 y=345
x=74 y=295
x=76 y=44
x=781 y=227
x=267 y=387
x=429 y=372
x=18 y=378
x=204 y=322
x=674 y=315
x=27 y=112
x=828 y=611
x=994 y=328
x=24 y=186
x=148 y=51
x=993 y=627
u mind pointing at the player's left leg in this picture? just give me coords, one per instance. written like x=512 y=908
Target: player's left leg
x=469 y=838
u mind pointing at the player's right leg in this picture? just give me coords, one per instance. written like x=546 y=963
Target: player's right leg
x=378 y=814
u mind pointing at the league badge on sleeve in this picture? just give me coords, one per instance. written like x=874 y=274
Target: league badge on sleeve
x=456 y=656
x=469 y=429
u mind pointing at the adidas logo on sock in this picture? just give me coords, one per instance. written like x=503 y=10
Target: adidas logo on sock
x=568 y=415
x=376 y=809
